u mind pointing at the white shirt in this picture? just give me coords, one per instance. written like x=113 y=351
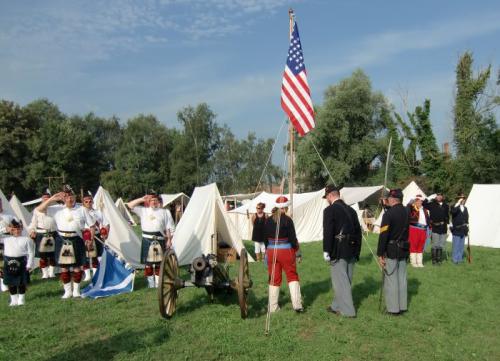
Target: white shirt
x=97 y=217
x=70 y=219
x=5 y=221
x=42 y=221
x=421 y=216
x=19 y=247
x=155 y=219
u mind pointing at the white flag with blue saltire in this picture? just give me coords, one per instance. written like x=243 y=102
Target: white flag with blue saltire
x=112 y=278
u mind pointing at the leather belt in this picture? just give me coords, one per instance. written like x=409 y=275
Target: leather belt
x=437 y=223
x=43 y=231
x=67 y=234
x=152 y=236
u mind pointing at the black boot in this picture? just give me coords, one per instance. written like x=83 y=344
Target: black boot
x=439 y=255
x=434 y=256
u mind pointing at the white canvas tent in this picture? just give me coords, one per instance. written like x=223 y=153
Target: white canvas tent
x=125 y=212
x=409 y=193
x=169 y=198
x=203 y=225
x=21 y=212
x=484 y=215
x=307 y=210
x=7 y=208
x=121 y=238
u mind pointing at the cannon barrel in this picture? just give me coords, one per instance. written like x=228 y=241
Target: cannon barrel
x=199 y=264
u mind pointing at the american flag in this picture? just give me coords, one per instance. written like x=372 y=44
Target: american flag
x=295 y=93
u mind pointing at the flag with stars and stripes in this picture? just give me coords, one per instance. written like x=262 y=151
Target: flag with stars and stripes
x=295 y=93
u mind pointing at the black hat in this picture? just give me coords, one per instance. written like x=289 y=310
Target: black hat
x=153 y=194
x=46 y=192
x=16 y=224
x=87 y=194
x=396 y=193
x=330 y=188
x=67 y=189
x=461 y=195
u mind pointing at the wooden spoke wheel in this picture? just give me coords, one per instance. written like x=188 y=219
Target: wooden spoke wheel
x=244 y=283
x=170 y=283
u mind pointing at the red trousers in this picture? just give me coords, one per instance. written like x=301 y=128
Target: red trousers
x=417 y=239
x=285 y=261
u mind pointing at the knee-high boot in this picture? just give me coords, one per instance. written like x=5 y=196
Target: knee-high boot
x=295 y=295
x=274 y=293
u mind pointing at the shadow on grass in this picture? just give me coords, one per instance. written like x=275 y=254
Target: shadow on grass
x=311 y=291
x=413 y=285
x=106 y=348
x=363 y=290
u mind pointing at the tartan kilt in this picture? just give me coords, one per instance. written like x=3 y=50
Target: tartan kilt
x=146 y=242
x=19 y=279
x=78 y=247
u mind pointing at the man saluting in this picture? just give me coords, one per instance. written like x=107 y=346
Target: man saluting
x=157 y=231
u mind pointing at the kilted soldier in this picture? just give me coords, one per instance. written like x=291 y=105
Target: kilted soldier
x=419 y=223
x=341 y=248
x=459 y=229
x=439 y=214
x=94 y=246
x=282 y=250
x=157 y=231
x=70 y=219
x=5 y=221
x=392 y=253
x=42 y=230
x=18 y=262
x=259 y=221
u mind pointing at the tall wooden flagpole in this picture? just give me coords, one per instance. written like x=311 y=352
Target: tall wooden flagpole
x=291 y=132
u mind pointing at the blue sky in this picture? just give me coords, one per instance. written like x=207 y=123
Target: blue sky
x=129 y=57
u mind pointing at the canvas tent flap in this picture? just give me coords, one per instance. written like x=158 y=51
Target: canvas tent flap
x=204 y=222
x=121 y=238
x=484 y=215
x=120 y=205
x=411 y=191
x=20 y=211
x=169 y=198
x=353 y=195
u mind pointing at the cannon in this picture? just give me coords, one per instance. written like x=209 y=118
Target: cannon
x=205 y=272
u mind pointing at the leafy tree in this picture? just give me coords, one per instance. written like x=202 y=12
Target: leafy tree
x=348 y=126
x=141 y=159
x=16 y=127
x=476 y=131
x=191 y=159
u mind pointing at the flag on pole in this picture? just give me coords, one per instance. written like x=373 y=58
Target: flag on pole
x=295 y=93
x=112 y=278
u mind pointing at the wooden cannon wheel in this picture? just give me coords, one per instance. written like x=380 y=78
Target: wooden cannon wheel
x=243 y=283
x=169 y=284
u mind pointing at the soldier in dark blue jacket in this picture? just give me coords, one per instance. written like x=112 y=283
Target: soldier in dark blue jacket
x=393 y=251
x=341 y=247
x=439 y=213
x=459 y=229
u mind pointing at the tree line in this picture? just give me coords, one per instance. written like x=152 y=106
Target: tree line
x=354 y=125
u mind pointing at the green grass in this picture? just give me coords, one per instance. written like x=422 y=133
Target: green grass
x=453 y=315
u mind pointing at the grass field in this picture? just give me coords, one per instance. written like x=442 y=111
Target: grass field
x=454 y=314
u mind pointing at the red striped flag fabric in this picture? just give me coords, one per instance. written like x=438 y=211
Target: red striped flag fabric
x=295 y=93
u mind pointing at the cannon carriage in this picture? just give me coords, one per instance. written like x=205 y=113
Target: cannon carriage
x=205 y=272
